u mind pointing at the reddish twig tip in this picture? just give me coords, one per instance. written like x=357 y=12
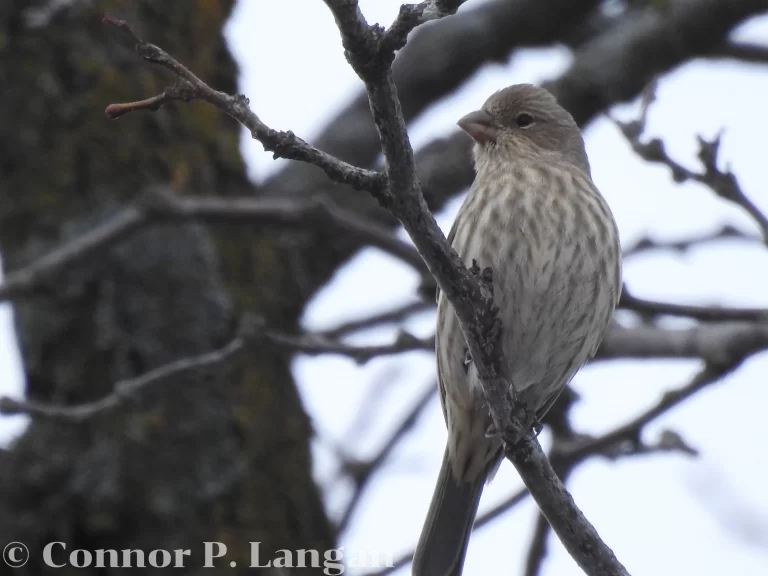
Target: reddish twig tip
x=154 y=103
x=110 y=20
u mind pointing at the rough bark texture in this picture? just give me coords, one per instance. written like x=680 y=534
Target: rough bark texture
x=222 y=456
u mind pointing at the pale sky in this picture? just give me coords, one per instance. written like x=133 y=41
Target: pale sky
x=662 y=515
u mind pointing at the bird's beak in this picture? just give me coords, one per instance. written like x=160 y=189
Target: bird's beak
x=479 y=125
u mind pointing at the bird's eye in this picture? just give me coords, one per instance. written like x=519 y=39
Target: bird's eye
x=524 y=120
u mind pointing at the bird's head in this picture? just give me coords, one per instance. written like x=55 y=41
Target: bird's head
x=525 y=121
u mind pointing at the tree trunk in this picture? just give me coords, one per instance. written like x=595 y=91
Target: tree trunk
x=222 y=455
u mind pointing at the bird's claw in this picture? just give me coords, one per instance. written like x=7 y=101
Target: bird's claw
x=467 y=360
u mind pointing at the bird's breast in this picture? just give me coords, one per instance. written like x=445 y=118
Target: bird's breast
x=552 y=245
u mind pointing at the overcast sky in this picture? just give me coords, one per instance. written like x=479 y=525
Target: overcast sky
x=662 y=515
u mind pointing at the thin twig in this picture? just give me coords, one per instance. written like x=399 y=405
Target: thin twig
x=646 y=244
x=124 y=390
x=518 y=497
x=362 y=472
x=537 y=549
x=314 y=344
x=410 y=17
x=28 y=279
x=631 y=431
x=396 y=315
x=723 y=183
x=282 y=144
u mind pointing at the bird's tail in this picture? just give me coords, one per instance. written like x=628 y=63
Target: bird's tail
x=444 y=538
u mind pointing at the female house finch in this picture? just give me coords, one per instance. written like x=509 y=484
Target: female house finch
x=535 y=217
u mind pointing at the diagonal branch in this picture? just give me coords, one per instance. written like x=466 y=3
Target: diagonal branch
x=362 y=472
x=631 y=431
x=670 y=442
x=723 y=183
x=411 y=16
x=395 y=315
x=284 y=144
x=125 y=391
x=472 y=301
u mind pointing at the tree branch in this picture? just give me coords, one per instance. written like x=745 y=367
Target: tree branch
x=617 y=64
x=395 y=315
x=742 y=52
x=646 y=244
x=314 y=344
x=125 y=390
x=362 y=472
x=631 y=432
x=282 y=144
x=411 y=16
x=163 y=208
x=472 y=301
x=714 y=343
x=723 y=183
x=650 y=308
x=670 y=442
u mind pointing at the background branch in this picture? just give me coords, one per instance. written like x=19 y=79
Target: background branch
x=163 y=208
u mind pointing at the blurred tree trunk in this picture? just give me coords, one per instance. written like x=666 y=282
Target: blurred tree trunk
x=221 y=456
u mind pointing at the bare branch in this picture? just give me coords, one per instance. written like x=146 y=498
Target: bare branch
x=618 y=63
x=651 y=308
x=742 y=51
x=282 y=144
x=668 y=442
x=314 y=344
x=212 y=210
x=362 y=472
x=124 y=390
x=411 y=16
x=32 y=277
x=723 y=183
x=396 y=315
x=563 y=458
x=631 y=431
x=714 y=343
x=647 y=244
x=537 y=550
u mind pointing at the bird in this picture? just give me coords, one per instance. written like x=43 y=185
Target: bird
x=535 y=217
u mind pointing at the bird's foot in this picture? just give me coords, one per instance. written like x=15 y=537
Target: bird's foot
x=467 y=360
